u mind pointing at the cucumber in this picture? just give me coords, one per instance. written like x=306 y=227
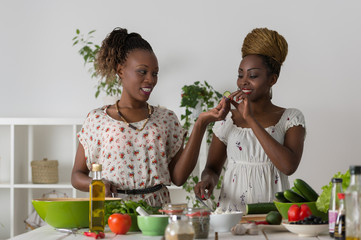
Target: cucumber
x=293 y=196
x=281 y=197
x=260 y=208
x=296 y=190
x=226 y=94
x=306 y=190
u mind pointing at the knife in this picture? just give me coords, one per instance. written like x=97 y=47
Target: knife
x=204 y=204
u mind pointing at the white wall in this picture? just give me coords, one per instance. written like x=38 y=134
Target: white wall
x=42 y=74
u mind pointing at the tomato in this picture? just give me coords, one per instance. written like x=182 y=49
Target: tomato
x=305 y=211
x=294 y=213
x=119 y=223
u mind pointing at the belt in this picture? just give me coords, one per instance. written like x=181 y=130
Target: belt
x=141 y=191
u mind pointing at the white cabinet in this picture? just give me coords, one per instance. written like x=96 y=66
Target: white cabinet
x=23 y=140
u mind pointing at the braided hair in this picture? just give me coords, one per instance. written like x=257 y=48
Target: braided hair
x=115 y=49
x=268 y=44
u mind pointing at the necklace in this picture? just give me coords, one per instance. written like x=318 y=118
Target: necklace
x=131 y=125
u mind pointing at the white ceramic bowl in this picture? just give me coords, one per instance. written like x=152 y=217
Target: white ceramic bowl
x=306 y=230
x=225 y=221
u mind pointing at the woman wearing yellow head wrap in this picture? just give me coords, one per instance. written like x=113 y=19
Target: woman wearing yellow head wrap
x=262 y=142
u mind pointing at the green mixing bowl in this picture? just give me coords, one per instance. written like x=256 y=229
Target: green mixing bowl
x=283 y=209
x=65 y=212
x=153 y=225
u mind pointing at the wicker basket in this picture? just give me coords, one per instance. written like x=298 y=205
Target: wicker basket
x=44 y=171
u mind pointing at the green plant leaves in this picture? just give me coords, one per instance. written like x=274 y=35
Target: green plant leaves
x=111 y=86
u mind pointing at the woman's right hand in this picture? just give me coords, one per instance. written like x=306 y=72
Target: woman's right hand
x=204 y=189
x=218 y=113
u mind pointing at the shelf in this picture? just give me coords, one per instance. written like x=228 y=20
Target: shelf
x=57 y=185
x=23 y=140
x=41 y=121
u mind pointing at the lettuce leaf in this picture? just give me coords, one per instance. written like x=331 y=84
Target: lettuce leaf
x=323 y=201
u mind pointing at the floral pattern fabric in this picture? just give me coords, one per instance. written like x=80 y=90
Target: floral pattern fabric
x=132 y=159
x=250 y=176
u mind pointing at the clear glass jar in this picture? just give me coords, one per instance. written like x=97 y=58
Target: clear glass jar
x=174 y=209
x=179 y=228
x=199 y=218
x=334 y=204
x=353 y=205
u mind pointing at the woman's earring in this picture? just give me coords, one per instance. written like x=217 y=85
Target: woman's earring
x=270 y=93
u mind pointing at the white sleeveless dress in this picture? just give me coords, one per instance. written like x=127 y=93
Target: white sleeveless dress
x=250 y=176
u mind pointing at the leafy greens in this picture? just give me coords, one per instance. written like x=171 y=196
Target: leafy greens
x=127 y=207
x=323 y=201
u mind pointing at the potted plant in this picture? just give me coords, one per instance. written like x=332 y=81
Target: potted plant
x=196 y=98
x=88 y=50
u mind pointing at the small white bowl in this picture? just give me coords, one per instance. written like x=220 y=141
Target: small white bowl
x=306 y=230
x=225 y=221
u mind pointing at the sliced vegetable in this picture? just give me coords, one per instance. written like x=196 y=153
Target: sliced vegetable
x=226 y=94
x=260 y=208
x=306 y=190
x=293 y=196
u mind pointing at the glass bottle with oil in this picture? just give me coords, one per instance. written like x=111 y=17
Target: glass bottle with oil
x=96 y=200
x=353 y=204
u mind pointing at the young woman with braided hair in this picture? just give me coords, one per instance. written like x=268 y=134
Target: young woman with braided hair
x=262 y=142
x=139 y=146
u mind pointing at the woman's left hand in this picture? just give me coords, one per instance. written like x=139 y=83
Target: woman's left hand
x=242 y=104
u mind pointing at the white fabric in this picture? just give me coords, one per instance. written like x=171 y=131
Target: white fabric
x=250 y=176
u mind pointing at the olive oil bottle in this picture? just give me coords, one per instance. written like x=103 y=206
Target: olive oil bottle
x=96 y=200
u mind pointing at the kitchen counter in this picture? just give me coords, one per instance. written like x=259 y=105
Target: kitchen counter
x=48 y=232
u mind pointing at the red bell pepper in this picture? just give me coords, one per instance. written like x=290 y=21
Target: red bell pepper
x=297 y=213
x=95 y=235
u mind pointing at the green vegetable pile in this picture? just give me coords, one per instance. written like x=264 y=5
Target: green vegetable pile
x=323 y=201
x=127 y=207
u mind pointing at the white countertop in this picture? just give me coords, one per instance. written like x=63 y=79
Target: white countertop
x=48 y=232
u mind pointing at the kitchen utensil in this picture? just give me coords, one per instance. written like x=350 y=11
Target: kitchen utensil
x=307 y=230
x=153 y=225
x=65 y=212
x=141 y=211
x=204 y=204
x=225 y=221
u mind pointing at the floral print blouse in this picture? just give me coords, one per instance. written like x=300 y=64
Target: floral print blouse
x=132 y=159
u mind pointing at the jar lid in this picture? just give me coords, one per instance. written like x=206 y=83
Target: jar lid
x=96 y=167
x=197 y=212
x=172 y=208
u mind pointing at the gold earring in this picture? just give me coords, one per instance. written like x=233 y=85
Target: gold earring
x=270 y=93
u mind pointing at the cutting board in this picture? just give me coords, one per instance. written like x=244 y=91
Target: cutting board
x=253 y=217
